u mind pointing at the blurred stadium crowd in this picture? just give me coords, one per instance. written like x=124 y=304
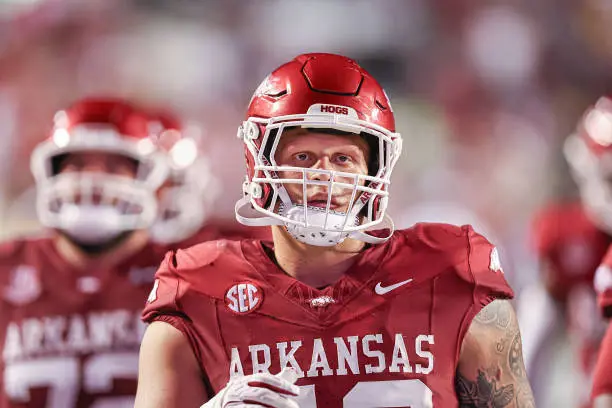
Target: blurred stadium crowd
x=484 y=92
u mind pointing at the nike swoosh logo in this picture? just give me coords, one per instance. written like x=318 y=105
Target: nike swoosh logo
x=381 y=290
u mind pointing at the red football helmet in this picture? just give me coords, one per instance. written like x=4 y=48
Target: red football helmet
x=589 y=155
x=321 y=91
x=94 y=207
x=190 y=189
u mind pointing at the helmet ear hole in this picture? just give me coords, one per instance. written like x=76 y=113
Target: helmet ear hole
x=267 y=148
x=266 y=197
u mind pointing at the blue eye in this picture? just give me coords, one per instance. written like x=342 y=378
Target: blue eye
x=301 y=156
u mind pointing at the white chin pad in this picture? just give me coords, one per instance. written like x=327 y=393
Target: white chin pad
x=317 y=233
x=90 y=224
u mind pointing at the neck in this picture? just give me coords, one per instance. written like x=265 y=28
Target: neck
x=78 y=258
x=313 y=265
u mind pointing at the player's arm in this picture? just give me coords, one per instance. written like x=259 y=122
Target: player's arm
x=169 y=377
x=603 y=401
x=168 y=372
x=602 y=376
x=490 y=371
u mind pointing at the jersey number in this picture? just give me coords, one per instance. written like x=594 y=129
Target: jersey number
x=61 y=376
x=379 y=394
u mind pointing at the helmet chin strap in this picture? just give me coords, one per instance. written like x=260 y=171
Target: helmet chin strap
x=246 y=214
x=387 y=223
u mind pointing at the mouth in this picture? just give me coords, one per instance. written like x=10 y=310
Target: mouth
x=320 y=203
x=169 y=214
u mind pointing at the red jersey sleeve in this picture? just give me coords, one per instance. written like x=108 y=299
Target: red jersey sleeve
x=163 y=298
x=179 y=297
x=164 y=301
x=476 y=261
x=602 y=378
x=603 y=285
x=484 y=269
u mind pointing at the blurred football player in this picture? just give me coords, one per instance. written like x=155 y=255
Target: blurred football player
x=603 y=285
x=71 y=300
x=187 y=197
x=571 y=239
x=339 y=311
x=602 y=376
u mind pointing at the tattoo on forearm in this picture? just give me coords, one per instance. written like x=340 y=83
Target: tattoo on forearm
x=515 y=357
x=503 y=382
x=483 y=392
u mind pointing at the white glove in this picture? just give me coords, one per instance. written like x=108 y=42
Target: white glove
x=257 y=390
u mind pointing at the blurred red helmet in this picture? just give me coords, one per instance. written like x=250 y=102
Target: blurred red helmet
x=190 y=190
x=320 y=91
x=589 y=154
x=94 y=207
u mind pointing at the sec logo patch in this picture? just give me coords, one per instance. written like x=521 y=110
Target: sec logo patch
x=243 y=298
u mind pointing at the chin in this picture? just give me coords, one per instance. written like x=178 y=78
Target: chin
x=93 y=249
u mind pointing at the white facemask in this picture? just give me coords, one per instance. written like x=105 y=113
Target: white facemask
x=69 y=202
x=266 y=201
x=91 y=224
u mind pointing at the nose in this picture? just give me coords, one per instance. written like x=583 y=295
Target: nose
x=93 y=169
x=322 y=164
x=94 y=165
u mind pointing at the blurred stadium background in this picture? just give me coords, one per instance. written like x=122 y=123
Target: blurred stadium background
x=485 y=92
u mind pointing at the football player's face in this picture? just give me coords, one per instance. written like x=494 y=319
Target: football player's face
x=97 y=163
x=322 y=151
x=94 y=162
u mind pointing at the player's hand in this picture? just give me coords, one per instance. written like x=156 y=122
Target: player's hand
x=257 y=390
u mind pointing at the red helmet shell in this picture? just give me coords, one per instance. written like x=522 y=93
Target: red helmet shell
x=99 y=124
x=117 y=113
x=322 y=79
